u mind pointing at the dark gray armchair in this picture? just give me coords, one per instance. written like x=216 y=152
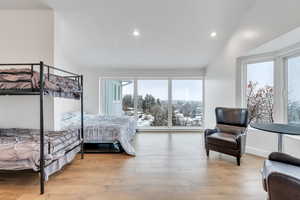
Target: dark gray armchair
x=229 y=136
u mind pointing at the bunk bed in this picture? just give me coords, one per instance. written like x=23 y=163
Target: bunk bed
x=41 y=150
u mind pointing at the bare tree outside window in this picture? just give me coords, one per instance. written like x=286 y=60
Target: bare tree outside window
x=260 y=92
x=260 y=103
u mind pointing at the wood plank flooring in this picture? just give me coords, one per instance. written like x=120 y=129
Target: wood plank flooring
x=167 y=167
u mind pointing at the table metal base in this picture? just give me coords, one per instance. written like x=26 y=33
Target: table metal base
x=280 y=143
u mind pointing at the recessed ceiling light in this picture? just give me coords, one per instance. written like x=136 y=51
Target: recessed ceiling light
x=136 y=33
x=213 y=34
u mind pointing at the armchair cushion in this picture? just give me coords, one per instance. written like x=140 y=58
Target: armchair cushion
x=222 y=139
x=230 y=129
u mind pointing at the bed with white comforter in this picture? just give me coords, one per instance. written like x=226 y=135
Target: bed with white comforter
x=104 y=129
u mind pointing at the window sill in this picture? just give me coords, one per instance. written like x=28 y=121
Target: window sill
x=175 y=129
x=294 y=137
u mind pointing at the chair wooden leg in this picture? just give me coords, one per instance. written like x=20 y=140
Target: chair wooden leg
x=238 y=160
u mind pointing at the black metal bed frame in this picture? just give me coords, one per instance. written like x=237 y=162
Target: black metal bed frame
x=41 y=92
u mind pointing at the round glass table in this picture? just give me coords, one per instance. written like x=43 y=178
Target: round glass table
x=280 y=129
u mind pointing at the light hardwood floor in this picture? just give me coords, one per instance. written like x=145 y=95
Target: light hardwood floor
x=167 y=167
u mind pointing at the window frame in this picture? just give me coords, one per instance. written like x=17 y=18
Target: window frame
x=286 y=80
x=245 y=79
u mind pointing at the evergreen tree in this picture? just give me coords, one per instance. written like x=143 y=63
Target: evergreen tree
x=127 y=102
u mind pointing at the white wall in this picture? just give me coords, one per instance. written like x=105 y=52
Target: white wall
x=91 y=90
x=25 y=36
x=63 y=60
x=286 y=40
x=62 y=105
x=265 y=21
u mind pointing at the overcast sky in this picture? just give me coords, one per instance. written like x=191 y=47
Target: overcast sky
x=294 y=78
x=182 y=89
x=263 y=74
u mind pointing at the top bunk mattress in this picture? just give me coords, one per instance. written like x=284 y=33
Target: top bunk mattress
x=29 y=80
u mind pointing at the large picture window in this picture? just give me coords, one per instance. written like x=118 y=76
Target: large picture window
x=152 y=103
x=293 y=65
x=187 y=104
x=260 y=91
x=162 y=103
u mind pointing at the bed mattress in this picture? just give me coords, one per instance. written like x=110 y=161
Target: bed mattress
x=104 y=129
x=25 y=79
x=20 y=148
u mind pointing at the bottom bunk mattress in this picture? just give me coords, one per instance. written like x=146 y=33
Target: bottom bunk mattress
x=104 y=129
x=20 y=149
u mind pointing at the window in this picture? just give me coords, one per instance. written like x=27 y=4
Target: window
x=156 y=103
x=272 y=93
x=127 y=95
x=293 y=108
x=260 y=92
x=118 y=97
x=152 y=103
x=187 y=106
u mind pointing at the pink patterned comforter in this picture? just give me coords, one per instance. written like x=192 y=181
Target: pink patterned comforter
x=25 y=79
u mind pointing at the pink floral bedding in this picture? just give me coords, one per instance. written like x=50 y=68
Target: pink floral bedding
x=11 y=79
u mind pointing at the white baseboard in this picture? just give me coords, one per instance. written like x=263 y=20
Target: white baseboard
x=257 y=152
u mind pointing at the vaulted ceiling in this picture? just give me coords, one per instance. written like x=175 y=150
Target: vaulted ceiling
x=173 y=33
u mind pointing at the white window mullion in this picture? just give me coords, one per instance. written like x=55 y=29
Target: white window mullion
x=244 y=86
x=203 y=102
x=240 y=83
x=101 y=96
x=170 y=103
x=280 y=95
x=135 y=96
